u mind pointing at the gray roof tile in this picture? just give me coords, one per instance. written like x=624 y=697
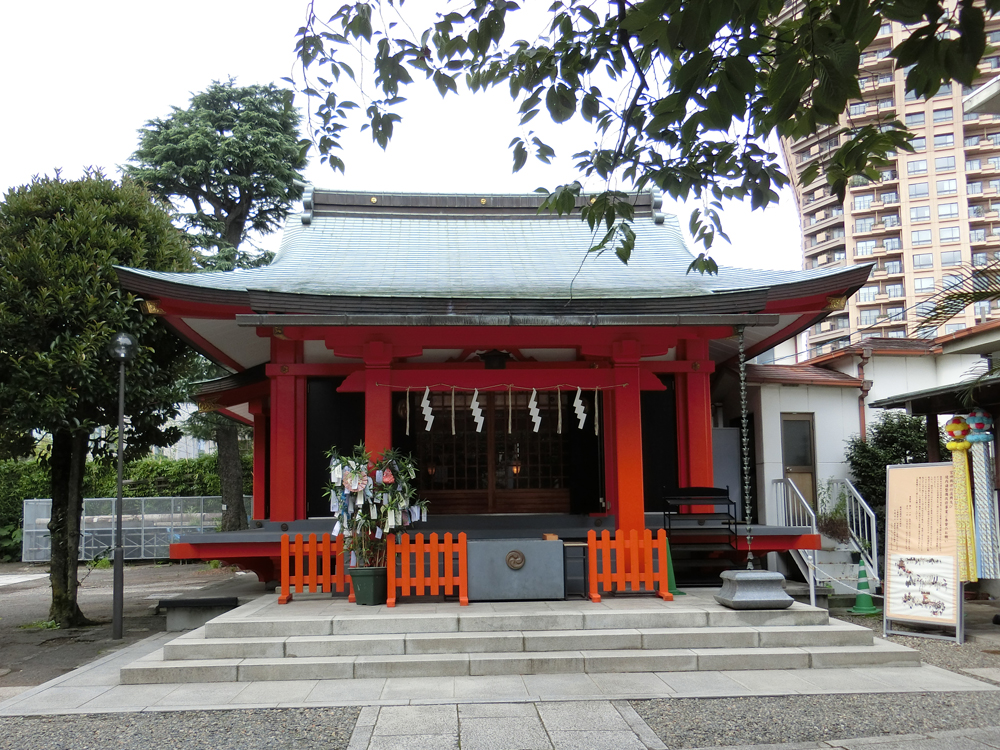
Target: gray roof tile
x=517 y=255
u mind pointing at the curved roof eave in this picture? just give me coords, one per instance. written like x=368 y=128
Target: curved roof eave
x=840 y=281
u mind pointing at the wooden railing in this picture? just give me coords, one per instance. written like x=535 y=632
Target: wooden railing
x=629 y=562
x=427 y=567
x=324 y=561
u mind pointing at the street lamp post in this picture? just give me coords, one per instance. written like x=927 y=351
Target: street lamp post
x=122 y=348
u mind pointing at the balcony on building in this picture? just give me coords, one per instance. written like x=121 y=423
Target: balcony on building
x=877 y=82
x=988 y=65
x=893 y=268
x=828 y=244
x=825 y=199
x=875 y=59
x=982 y=212
x=814 y=225
x=829 y=329
x=810 y=140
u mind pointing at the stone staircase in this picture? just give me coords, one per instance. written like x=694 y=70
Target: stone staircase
x=323 y=638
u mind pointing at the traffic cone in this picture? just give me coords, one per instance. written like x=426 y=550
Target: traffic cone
x=863 y=604
x=671 y=581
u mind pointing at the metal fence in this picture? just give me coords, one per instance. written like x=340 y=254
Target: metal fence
x=149 y=525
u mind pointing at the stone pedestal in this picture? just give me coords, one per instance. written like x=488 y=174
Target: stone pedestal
x=753 y=589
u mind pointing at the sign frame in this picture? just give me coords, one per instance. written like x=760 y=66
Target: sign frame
x=920 y=579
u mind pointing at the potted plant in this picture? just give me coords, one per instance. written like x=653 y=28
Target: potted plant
x=370 y=500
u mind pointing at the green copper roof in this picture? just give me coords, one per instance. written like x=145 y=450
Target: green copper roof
x=471 y=247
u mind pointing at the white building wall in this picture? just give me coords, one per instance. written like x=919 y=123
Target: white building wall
x=891 y=376
x=835 y=419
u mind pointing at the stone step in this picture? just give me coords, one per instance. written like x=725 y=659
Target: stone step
x=398 y=621
x=196 y=646
x=154 y=669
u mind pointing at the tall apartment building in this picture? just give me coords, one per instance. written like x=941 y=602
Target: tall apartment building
x=929 y=223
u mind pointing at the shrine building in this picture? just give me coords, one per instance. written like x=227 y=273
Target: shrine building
x=539 y=387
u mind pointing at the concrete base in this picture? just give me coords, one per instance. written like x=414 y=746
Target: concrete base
x=189 y=618
x=753 y=589
x=515 y=570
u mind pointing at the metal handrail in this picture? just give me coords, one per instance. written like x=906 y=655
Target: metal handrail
x=862 y=525
x=793 y=510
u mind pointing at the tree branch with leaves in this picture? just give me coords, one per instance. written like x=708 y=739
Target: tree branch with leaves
x=693 y=91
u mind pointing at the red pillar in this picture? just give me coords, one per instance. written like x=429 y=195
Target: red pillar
x=285 y=433
x=378 y=398
x=260 y=429
x=628 y=436
x=697 y=428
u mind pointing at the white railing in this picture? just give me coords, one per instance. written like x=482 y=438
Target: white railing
x=862 y=524
x=793 y=510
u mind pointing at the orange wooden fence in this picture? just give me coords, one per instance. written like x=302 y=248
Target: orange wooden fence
x=427 y=567
x=319 y=566
x=626 y=563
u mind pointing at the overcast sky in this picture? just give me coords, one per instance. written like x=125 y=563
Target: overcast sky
x=81 y=78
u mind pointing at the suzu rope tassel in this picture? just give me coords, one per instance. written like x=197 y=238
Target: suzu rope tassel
x=957 y=429
x=987 y=525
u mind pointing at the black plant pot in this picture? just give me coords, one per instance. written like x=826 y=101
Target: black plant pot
x=370 y=585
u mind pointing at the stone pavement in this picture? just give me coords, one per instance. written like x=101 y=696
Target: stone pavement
x=546 y=711
x=577 y=711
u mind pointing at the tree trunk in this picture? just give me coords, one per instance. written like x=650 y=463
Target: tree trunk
x=67 y=464
x=234 y=517
x=234 y=229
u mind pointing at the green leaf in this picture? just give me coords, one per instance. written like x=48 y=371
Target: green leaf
x=520 y=154
x=560 y=100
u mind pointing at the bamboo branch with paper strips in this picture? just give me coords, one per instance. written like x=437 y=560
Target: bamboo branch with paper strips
x=370 y=500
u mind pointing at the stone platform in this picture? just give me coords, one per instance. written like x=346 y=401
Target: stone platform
x=319 y=638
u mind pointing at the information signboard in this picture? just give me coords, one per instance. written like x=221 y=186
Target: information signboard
x=921 y=547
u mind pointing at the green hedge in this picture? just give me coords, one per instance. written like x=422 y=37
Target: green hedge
x=20 y=480
x=148 y=477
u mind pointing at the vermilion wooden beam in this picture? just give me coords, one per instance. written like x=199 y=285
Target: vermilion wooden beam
x=313 y=370
x=627 y=437
x=284 y=431
x=341 y=369
x=815 y=303
x=199 y=309
x=654 y=340
x=549 y=378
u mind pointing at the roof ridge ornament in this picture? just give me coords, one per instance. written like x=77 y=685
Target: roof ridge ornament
x=308 y=205
x=656 y=203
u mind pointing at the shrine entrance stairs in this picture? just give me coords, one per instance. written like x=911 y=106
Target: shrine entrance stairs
x=316 y=637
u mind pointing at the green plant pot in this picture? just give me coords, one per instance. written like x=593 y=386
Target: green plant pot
x=370 y=585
